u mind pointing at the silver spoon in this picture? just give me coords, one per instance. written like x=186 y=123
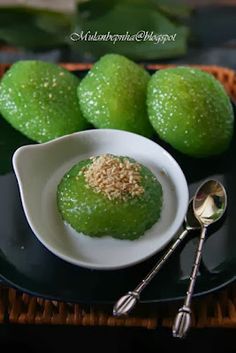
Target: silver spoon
x=209 y=205
x=128 y=301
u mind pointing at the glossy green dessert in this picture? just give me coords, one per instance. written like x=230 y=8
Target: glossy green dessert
x=113 y=95
x=110 y=195
x=40 y=100
x=190 y=110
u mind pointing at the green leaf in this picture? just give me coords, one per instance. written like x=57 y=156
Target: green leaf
x=124 y=18
x=32 y=28
x=95 y=8
x=173 y=9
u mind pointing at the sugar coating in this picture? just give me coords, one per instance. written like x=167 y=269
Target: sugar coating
x=40 y=100
x=190 y=110
x=96 y=215
x=113 y=95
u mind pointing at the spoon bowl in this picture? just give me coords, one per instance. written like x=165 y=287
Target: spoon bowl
x=210 y=202
x=191 y=223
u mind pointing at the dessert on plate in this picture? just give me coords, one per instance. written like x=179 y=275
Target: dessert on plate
x=110 y=195
x=190 y=110
x=40 y=100
x=113 y=95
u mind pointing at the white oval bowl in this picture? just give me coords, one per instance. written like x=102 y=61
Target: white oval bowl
x=40 y=167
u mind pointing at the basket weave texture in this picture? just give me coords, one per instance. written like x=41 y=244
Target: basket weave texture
x=213 y=310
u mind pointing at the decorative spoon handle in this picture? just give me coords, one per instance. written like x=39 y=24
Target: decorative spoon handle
x=182 y=321
x=128 y=301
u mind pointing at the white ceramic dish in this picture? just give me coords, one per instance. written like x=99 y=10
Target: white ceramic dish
x=40 y=167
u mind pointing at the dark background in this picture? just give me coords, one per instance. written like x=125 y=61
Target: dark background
x=113 y=340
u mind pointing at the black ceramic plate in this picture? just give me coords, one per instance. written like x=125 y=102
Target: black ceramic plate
x=26 y=264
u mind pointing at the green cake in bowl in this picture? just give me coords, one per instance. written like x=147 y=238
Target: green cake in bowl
x=110 y=195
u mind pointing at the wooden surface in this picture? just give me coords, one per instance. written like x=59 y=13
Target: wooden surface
x=214 y=310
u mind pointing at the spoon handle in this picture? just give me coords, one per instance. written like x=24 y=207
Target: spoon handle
x=128 y=301
x=183 y=318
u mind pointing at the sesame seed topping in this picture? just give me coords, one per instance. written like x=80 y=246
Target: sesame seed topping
x=114 y=177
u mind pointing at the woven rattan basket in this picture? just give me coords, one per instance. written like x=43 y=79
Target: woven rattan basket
x=214 y=310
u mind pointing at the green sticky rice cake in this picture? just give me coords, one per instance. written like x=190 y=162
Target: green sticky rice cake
x=190 y=110
x=40 y=100
x=110 y=195
x=113 y=95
